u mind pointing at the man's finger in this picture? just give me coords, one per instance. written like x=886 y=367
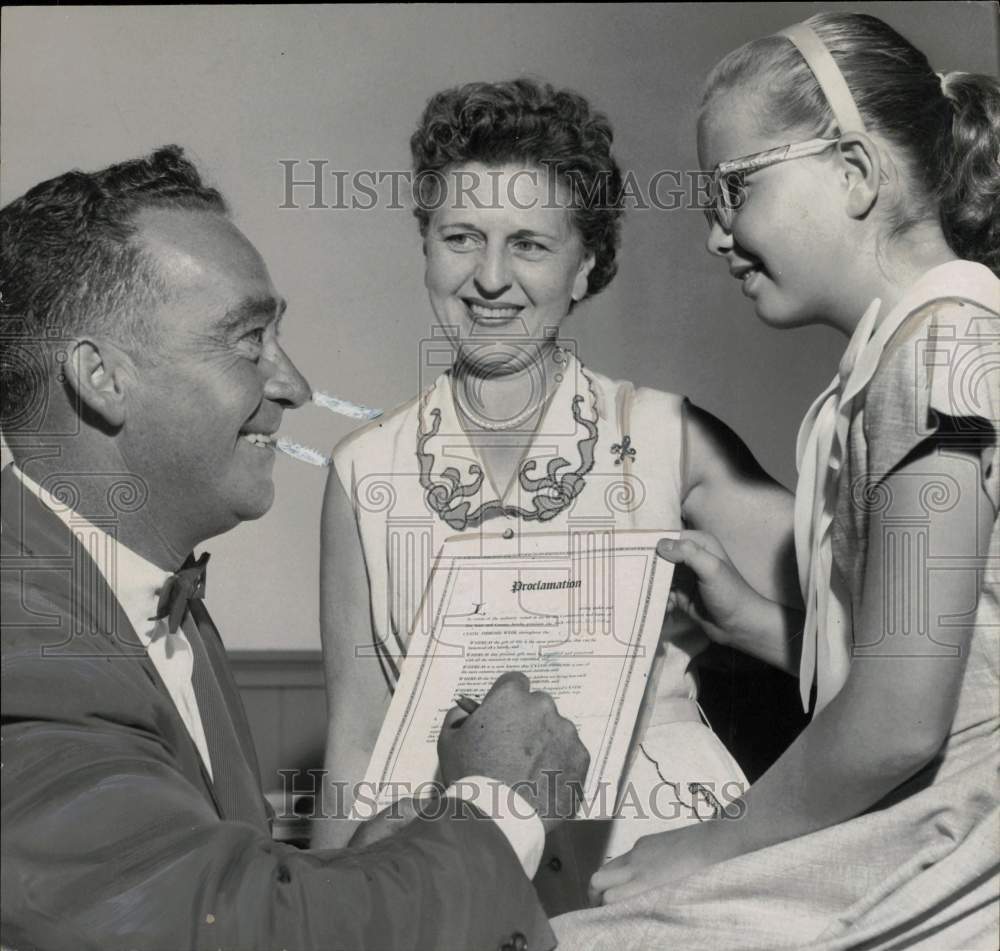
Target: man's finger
x=512 y=679
x=545 y=705
x=454 y=718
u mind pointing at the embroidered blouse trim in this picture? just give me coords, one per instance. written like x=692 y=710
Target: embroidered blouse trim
x=551 y=493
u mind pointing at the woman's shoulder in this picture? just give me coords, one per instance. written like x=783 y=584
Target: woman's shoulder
x=378 y=434
x=612 y=393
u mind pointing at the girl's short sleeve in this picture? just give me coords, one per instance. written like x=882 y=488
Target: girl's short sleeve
x=939 y=380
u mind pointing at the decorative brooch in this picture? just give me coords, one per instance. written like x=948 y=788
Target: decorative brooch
x=623 y=450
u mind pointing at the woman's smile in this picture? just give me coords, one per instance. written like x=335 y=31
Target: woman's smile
x=492 y=313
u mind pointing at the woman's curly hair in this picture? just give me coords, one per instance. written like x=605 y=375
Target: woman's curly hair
x=538 y=126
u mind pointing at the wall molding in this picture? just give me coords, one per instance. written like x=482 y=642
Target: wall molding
x=277 y=669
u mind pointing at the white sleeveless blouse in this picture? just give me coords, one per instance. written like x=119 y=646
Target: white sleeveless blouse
x=402 y=518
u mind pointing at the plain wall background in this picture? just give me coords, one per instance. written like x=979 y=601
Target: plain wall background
x=244 y=87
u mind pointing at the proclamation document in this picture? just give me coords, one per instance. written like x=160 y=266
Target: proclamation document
x=578 y=612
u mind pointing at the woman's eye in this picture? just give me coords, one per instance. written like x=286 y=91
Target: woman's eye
x=528 y=246
x=463 y=241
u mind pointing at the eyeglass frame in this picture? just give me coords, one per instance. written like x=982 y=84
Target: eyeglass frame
x=719 y=210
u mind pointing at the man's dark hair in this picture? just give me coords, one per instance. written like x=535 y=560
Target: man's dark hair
x=69 y=265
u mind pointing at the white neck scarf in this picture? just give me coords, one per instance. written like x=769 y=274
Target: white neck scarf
x=819 y=454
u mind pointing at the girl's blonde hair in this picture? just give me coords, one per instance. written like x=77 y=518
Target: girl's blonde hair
x=944 y=131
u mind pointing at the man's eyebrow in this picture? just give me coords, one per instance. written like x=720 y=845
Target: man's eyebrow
x=252 y=309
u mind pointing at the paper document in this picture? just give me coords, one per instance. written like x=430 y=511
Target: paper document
x=578 y=612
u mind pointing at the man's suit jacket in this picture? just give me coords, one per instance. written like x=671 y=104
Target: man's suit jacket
x=113 y=834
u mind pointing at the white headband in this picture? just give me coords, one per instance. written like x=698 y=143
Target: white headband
x=828 y=75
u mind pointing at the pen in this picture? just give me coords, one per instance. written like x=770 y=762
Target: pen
x=467 y=703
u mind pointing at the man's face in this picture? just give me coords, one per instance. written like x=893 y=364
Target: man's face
x=214 y=374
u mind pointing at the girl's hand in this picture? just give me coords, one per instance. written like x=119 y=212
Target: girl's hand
x=657 y=860
x=710 y=591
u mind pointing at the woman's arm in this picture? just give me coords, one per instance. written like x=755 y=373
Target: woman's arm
x=728 y=495
x=357 y=694
x=897 y=706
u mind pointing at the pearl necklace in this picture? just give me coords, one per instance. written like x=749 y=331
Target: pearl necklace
x=462 y=403
x=492 y=425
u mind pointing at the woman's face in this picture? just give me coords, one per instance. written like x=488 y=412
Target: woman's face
x=504 y=263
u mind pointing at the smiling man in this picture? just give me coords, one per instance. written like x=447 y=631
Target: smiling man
x=143 y=382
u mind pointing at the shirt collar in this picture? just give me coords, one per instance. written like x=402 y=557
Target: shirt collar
x=134 y=581
x=953 y=279
x=965 y=279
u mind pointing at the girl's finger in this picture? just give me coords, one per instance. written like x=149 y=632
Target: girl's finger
x=688 y=552
x=705 y=540
x=622 y=892
x=683 y=602
x=610 y=876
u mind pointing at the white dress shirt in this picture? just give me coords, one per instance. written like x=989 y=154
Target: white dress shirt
x=136 y=582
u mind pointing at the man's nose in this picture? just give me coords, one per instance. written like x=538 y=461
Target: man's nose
x=286 y=384
x=720 y=241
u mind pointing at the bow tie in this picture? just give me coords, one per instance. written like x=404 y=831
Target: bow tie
x=185 y=584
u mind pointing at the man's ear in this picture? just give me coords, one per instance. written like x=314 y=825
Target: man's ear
x=866 y=171
x=95 y=372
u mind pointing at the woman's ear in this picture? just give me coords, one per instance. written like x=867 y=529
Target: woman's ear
x=864 y=172
x=580 y=284
x=95 y=373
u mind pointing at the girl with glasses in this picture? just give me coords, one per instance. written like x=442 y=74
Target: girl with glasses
x=854 y=186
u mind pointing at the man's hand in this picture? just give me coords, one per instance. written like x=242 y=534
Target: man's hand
x=518 y=738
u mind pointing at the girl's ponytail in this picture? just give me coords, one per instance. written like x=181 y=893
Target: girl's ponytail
x=970 y=180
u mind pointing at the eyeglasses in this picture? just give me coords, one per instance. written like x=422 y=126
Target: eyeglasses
x=727 y=185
